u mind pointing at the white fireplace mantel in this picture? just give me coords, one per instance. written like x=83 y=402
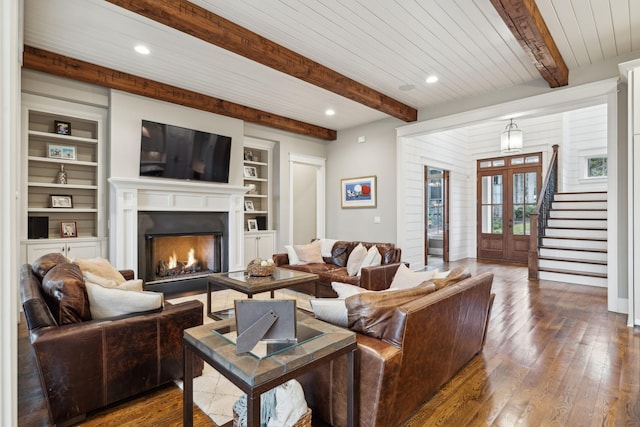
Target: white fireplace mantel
x=131 y=195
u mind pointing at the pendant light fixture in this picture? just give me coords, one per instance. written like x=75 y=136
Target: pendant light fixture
x=511 y=139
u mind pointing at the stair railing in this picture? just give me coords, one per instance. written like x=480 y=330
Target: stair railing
x=540 y=217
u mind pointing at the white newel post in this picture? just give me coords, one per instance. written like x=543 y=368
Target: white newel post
x=131 y=195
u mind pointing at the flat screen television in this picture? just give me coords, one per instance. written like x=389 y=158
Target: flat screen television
x=169 y=151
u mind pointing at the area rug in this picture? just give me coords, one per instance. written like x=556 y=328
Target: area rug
x=213 y=393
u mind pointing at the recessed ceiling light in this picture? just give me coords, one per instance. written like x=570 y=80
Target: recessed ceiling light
x=330 y=112
x=432 y=79
x=406 y=87
x=142 y=49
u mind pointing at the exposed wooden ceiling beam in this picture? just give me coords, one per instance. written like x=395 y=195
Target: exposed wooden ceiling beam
x=205 y=25
x=526 y=23
x=64 y=66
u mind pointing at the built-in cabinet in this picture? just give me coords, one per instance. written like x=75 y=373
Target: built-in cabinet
x=259 y=244
x=260 y=238
x=63 y=204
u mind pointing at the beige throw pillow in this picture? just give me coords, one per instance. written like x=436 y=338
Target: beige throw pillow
x=355 y=259
x=100 y=267
x=405 y=278
x=310 y=253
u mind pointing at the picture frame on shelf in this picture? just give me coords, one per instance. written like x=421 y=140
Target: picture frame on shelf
x=248 y=155
x=65 y=152
x=68 y=229
x=60 y=201
x=252 y=225
x=62 y=128
x=250 y=172
x=358 y=192
x=248 y=206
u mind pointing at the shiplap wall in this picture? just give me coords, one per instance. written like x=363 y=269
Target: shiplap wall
x=585 y=135
x=458 y=150
x=448 y=151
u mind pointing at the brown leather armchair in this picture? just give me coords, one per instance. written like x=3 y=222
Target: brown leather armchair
x=85 y=366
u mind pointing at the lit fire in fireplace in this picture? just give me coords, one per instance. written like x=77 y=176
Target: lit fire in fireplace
x=173 y=259
x=174 y=267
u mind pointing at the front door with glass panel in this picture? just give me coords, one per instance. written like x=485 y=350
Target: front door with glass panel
x=507 y=193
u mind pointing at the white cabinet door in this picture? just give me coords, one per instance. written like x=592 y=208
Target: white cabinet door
x=76 y=249
x=83 y=250
x=265 y=245
x=36 y=250
x=259 y=244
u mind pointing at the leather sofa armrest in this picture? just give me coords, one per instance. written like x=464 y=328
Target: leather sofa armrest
x=280 y=259
x=378 y=278
x=128 y=274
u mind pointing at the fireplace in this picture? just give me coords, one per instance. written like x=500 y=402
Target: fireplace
x=181 y=256
x=178 y=250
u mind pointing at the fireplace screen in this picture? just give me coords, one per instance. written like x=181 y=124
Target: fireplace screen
x=180 y=256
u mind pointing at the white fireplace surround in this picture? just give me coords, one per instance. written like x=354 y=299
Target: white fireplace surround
x=130 y=195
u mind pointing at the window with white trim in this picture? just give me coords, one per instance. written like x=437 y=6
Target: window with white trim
x=597 y=167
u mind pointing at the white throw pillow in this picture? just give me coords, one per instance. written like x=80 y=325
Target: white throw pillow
x=405 y=278
x=355 y=259
x=293 y=256
x=326 y=245
x=111 y=302
x=345 y=290
x=372 y=259
x=332 y=310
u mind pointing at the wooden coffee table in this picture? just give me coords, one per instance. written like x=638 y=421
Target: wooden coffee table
x=240 y=281
x=258 y=371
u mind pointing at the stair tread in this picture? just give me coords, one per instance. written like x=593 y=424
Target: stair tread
x=581 y=192
x=561 y=271
x=578 y=209
x=576 y=228
x=594 y=239
x=561 y=248
x=581 y=261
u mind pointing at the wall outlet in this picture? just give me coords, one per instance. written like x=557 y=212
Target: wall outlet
x=376 y=220
x=361 y=139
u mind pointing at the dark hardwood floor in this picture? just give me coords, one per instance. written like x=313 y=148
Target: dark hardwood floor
x=554 y=356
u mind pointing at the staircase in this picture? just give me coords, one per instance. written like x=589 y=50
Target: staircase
x=574 y=246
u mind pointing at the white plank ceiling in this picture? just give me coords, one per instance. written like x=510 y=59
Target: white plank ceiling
x=384 y=44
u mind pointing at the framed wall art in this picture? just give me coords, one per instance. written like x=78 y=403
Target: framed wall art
x=250 y=172
x=65 y=152
x=58 y=201
x=62 y=128
x=68 y=229
x=358 y=192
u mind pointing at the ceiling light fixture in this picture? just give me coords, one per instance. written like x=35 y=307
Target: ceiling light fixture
x=142 y=49
x=330 y=112
x=432 y=79
x=407 y=87
x=511 y=139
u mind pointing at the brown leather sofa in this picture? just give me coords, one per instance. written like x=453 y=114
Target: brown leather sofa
x=424 y=344
x=334 y=269
x=85 y=366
